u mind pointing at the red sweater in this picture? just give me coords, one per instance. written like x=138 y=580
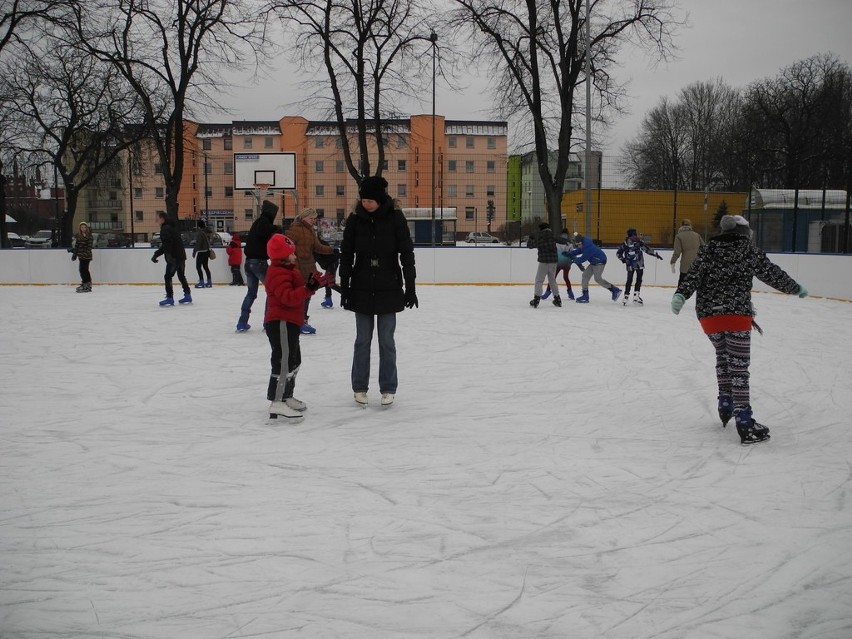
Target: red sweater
x=235 y=252
x=285 y=293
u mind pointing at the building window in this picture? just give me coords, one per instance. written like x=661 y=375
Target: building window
x=319 y=190
x=340 y=190
x=451 y=141
x=339 y=166
x=229 y=191
x=140 y=216
x=468 y=190
x=319 y=166
x=384 y=165
x=320 y=213
x=401 y=141
x=229 y=143
x=158 y=168
x=229 y=168
x=469 y=213
x=247 y=193
x=267 y=142
x=208 y=192
x=468 y=142
x=319 y=142
x=401 y=190
x=137 y=193
x=400 y=165
x=468 y=166
x=451 y=166
x=489 y=190
x=248 y=213
x=452 y=190
x=208 y=168
x=492 y=142
x=338 y=143
x=206 y=144
x=247 y=142
x=491 y=166
x=340 y=214
x=159 y=192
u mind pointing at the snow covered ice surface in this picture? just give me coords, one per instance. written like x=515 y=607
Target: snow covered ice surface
x=554 y=473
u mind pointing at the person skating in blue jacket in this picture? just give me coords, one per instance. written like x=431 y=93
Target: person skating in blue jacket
x=585 y=250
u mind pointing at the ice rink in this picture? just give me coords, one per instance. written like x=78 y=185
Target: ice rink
x=549 y=473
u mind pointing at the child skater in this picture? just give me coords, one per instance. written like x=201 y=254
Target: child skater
x=286 y=293
x=631 y=253
x=563 y=263
x=235 y=260
x=722 y=276
x=585 y=250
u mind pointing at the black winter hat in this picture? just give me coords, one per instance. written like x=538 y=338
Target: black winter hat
x=373 y=188
x=543 y=225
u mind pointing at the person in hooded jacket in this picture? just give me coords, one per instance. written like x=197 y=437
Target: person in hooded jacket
x=307 y=243
x=722 y=275
x=686 y=245
x=171 y=246
x=376 y=258
x=235 y=260
x=256 y=259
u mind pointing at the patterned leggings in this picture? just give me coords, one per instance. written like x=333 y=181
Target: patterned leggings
x=733 y=356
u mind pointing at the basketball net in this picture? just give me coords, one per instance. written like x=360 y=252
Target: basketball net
x=261 y=190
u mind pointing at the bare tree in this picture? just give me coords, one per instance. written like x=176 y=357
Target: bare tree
x=367 y=50
x=539 y=50
x=73 y=110
x=169 y=51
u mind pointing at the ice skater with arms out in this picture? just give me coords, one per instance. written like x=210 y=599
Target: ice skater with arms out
x=286 y=293
x=722 y=275
x=585 y=250
x=631 y=254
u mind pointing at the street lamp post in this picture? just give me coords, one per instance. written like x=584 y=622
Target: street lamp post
x=433 y=38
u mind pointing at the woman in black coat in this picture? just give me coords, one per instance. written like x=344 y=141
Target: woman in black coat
x=376 y=258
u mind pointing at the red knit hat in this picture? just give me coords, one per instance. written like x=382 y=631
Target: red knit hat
x=280 y=247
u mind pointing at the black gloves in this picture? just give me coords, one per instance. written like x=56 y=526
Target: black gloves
x=313 y=283
x=154 y=259
x=659 y=257
x=74 y=256
x=343 y=289
x=410 y=295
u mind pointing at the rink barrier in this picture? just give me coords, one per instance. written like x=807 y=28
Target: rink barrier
x=824 y=275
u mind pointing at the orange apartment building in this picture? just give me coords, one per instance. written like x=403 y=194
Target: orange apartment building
x=470 y=168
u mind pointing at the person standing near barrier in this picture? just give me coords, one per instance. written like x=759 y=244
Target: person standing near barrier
x=261 y=230
x=171 y=246
x=722 y=275
x=376 y=257
x=235 y=260
x=585 y=250
x=82 y=252
x=201 y=253
x=686 y=245
x=547 y=259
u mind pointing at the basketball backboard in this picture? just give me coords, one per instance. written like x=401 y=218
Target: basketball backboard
x=277 y=170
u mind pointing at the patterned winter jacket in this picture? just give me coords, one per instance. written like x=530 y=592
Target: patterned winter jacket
x=83 y=246
x=722 y=275
x=631 y=253
x=546 y=245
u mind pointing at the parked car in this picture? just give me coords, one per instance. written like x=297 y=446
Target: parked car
x=118 y=240
x=42 y=239
x=155 y=240
x=16 y=241
x=481 y=237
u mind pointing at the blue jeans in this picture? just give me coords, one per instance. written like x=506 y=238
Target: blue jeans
x=364 y=325
x=255 y=273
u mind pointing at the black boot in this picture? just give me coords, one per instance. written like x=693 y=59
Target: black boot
x=557 y=301
x=535 y=300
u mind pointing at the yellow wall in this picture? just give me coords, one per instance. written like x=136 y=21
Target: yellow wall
x=651 y=213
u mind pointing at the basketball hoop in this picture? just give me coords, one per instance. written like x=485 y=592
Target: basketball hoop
x=262 y=187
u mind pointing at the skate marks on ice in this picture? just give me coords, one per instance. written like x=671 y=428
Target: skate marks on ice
x=552 y=474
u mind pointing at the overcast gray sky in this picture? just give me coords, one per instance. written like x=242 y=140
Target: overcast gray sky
x=739 y=41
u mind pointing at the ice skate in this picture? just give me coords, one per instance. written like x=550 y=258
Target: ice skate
x=546 y=294
x=361 y=399
x=200 y=284
x=583 y=299
x=169 y=301
x=307 y=329
x=387 y=399
x=749 y=430
x=327 y=303
x=557 y=302
x=281 y=409
x=242 y=327
x=534 y=301
x=726 y=409
x=296 y=404
x=186 y=299
x=616 y=293
x=637 y=299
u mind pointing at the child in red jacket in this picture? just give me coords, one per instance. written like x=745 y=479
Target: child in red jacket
x=286 y=292
x=235 y=260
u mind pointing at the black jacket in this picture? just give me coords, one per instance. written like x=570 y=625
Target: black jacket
x=376 y=257
x=260 y=232
x=722 y=275
x=170 y=243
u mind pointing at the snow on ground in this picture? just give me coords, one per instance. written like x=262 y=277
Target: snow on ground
x=554 y=473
